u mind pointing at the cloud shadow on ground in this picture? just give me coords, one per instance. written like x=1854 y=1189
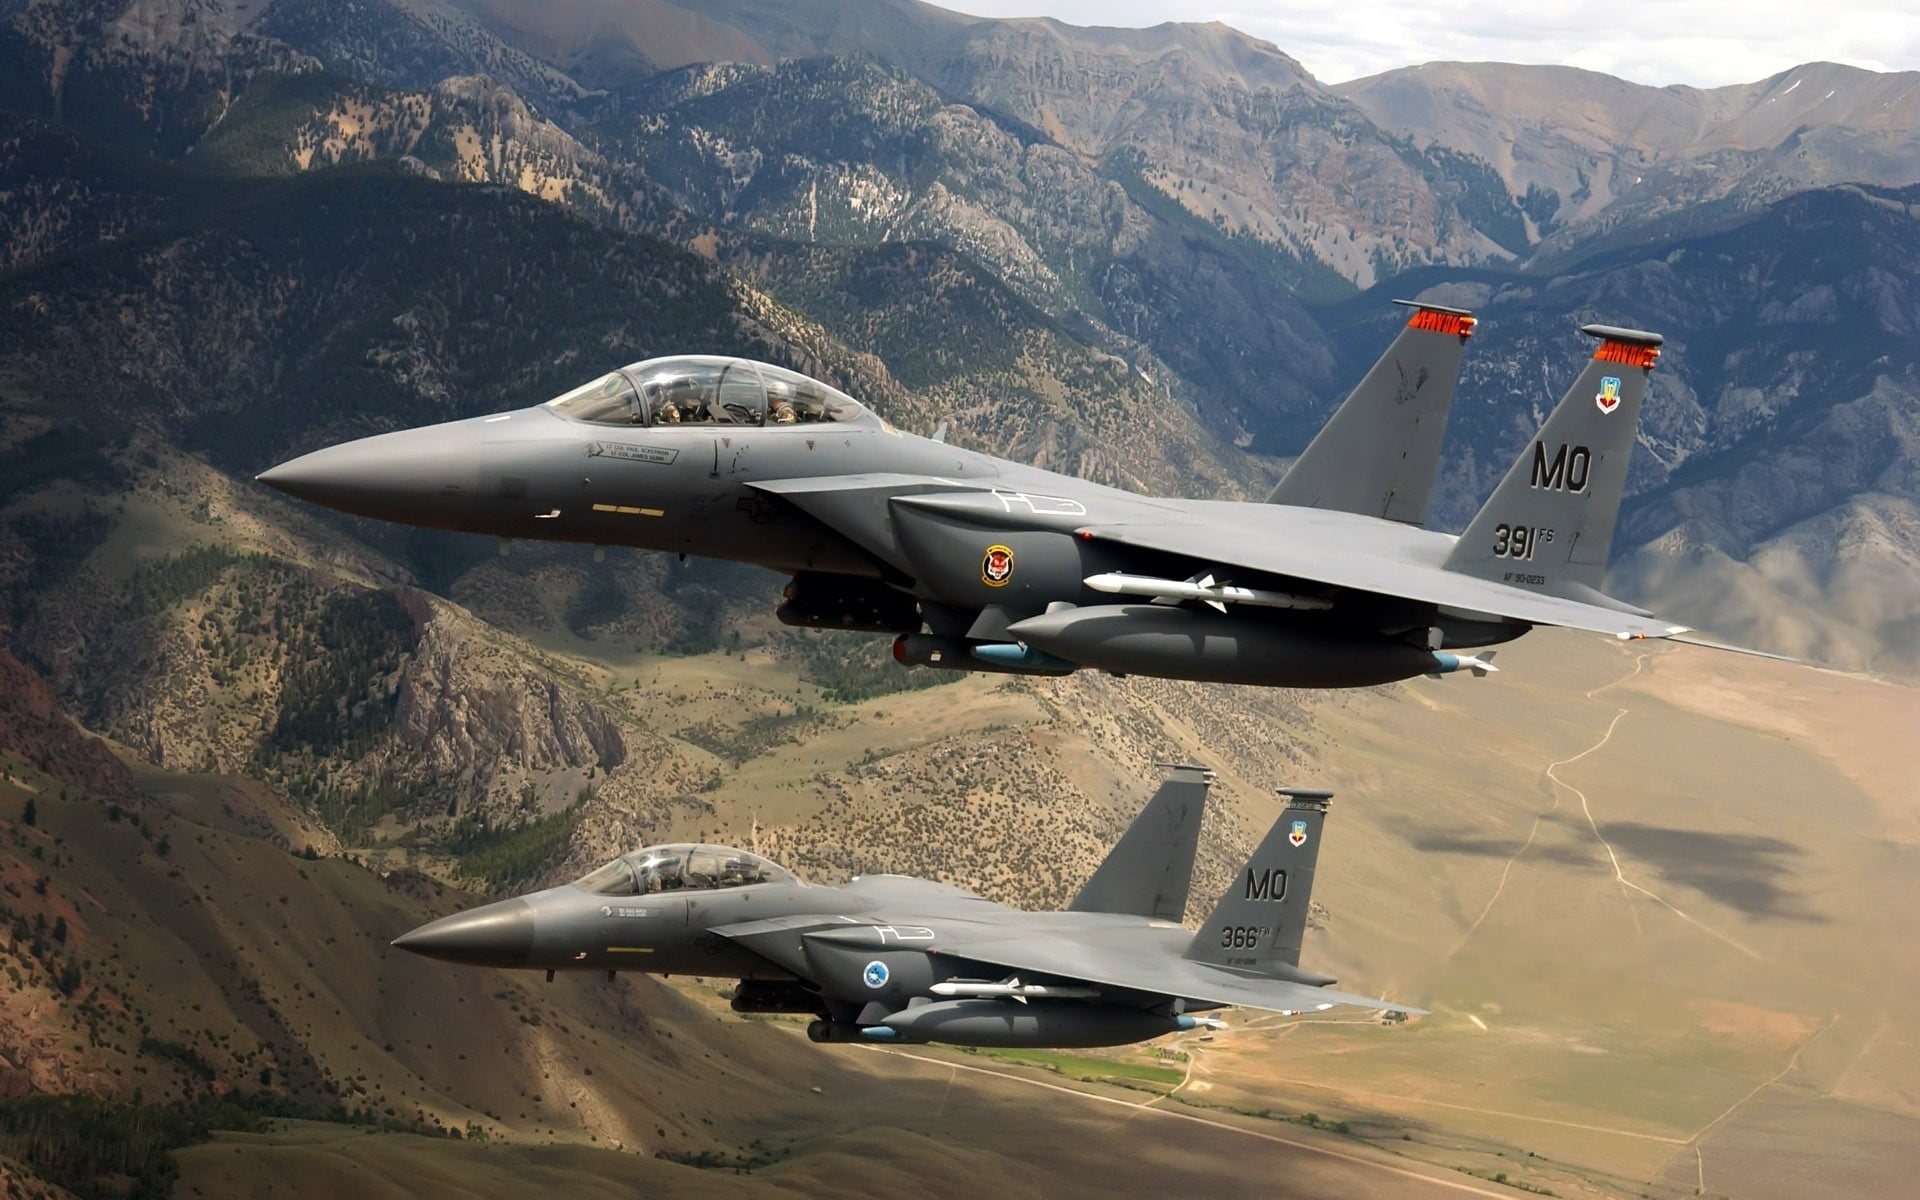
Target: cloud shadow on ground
x=1749 y=873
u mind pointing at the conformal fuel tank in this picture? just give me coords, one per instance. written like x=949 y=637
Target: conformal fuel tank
x=1212 y=647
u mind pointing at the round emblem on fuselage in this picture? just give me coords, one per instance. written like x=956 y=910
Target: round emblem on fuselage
x=875 y=975
x=996 y=566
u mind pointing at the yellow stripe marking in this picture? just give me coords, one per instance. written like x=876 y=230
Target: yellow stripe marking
x=629 y=949
x=629 y=510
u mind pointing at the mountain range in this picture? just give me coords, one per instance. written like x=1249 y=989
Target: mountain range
x=235 y=230
x=1184 y=203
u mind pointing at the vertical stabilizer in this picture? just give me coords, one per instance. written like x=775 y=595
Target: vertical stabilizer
x=1377 y=454
x=1549 y=525
x=1261 y=921
x=1150 y=869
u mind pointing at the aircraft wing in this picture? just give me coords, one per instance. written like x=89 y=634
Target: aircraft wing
x=1121 y=958
x=1340 y=550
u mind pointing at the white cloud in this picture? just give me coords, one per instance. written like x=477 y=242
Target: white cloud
x=1706 y=43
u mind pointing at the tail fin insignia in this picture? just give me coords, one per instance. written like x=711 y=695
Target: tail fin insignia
x=1260 y=922
x=1549 y=524
x=1377 y=454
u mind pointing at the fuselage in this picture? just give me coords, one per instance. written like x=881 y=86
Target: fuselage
x=864 y=959
x=886 y=531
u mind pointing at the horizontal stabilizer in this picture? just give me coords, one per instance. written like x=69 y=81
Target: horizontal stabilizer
x=1710 y=645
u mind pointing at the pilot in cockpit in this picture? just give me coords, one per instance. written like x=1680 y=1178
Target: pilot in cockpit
x=680 y=867
x=664 y=873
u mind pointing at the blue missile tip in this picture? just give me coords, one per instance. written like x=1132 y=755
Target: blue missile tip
x=879 y=1033
x=1013 y=654
x=1446 y=662
x=1184 y=1023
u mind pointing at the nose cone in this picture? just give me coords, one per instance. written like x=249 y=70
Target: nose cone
x=494 y=935
x=426 y=476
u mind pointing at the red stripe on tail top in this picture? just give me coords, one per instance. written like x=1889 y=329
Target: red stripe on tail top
x=1628 y=354
x=1458 y=324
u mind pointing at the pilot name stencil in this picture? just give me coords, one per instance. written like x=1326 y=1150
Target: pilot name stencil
x=629 y=453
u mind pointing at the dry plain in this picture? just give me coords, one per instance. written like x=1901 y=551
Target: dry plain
x=1656 y=897
x=1658 y=900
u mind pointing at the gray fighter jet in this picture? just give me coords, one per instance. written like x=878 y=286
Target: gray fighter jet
x=889 y=958
x=985 y=565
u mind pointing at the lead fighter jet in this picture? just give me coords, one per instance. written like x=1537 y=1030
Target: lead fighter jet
x=985 y=565
x=888 y=958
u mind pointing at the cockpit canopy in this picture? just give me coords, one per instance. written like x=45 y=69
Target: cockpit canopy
x=683 y=866
x=696 y=389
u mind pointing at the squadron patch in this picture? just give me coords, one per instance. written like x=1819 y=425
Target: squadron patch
x=1298 y=834
x=1608 y=397
x=875 y=974
x=996 y=566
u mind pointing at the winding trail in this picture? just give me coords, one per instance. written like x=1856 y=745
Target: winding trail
x=1627 y=886
x=1639 y=664
x=1699 y=1158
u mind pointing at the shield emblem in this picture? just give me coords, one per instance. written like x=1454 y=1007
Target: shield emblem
x=996 y=566
x=1608 y=397
x=1298 y=834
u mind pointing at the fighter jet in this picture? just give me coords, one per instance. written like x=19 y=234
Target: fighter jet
x=980 y=564
x=889 y=958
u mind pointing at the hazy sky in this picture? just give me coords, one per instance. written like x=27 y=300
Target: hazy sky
x=1702 y=42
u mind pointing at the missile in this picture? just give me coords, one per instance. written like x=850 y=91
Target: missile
x=1013 y=988
x=1065 y=1024
x=958 y=654
x=1446 y=664
x=1202 y=588
x=1013 y=655
x=1235 y=647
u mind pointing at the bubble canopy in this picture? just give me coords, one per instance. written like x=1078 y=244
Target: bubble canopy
x=699 y=389
x=682 y=866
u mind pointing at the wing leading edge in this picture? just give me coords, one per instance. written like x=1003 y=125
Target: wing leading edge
x=1326 y=557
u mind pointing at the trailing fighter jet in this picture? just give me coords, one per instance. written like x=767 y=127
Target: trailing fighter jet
x=985 y=565
x=889 y=958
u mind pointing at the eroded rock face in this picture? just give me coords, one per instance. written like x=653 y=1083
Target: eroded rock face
x=33 y=727
x=476 y=706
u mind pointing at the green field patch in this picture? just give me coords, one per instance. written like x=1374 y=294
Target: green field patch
x=1080 y=1067
x=509 y=857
